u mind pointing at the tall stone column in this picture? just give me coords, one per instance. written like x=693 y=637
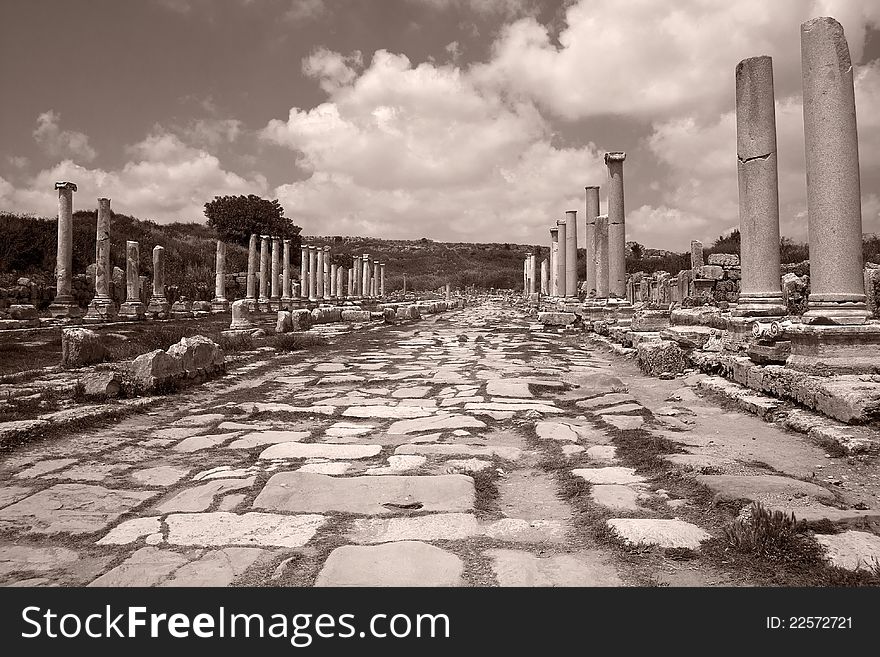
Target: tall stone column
x=326 y=272
x=602 y=256
x=448 y=292
x=219 y=303
x=365 y=272
x=158 y=307
x=592 y=208
x=264 y=272
x=334 y=286
x=526 y=275
x=760 y=286
x=303 y=271
x=313 y=268
x=571 y=254
x=545 y=272
x=340 y=282
x=561 y=257
x=554 y=259
x=357 y=265
x=382 y=279
x=275 y=294
x=133 y=308
x=375 y=278
x=251 y=294
x=64 y=304
x=616 y=226
x=102 y=307
x=837 y=288
x=349 y=287
x=286 y=295
x=319 y=273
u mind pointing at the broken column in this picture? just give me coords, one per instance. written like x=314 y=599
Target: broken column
x=102 y=307
x=313 y=267
x=696 y=256
x=592 y=211
x=837 y=289
x=760 y=287
x=64 y=304
x=275 y=294
x=159 y=306
x=251 y=294
x=554 y=258
x=616 y=226
x=382 y=279
x=601 y=242
x=219 y=304
x=571 y=254
x=561 y=257
x=133 y=308
x=303 y=271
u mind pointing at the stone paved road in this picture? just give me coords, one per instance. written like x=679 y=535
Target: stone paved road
x=417 y=455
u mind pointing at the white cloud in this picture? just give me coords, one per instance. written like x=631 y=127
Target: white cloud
x=58 y=143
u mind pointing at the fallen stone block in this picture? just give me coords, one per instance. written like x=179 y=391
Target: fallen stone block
x=81 y=347
x=198 y=355
x=656 y=358
x=100 y=384
x=557 y=319
x=355 y=316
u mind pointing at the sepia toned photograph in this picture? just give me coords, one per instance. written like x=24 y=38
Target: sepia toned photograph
x=438 y=294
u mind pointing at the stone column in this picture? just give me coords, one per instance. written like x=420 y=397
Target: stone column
x=592 y=212
x=525 y=274
x=158 y=307
x=760 y=286
x=571 y=254
x=313 y=268
x=286 y=295
x=303 y=271
x=554 y=259
x=319 y=273
x=616 y=226
x=275 y=294
x=264 y=272
x=837 y=288
x=375 y=278
x=448 y=292
x=340 y=282
x=561 y=257
x=382 y=279
x=365 y=272
x=602 y=256
x=326 y=272
x=252 y=272
x=545 y=272
x=102 y=307
x=133 y=308
x=404 y=283
x=357 y=265
x=696 y=255
x=350 y=284
x=334 y=287
x=219 y=304
x=64 y=304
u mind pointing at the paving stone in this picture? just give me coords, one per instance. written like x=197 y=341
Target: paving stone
x=163 y=475
x=851 y=549
x=196 y=443
x=231 y=502
x=225 y=472
x=260 y=438
x=762 y=488
x=88 y=471
x=43 y=467
x=453 y=466
x=319 y=450
x=515 y=407
x=201 y=497
x=615 y=496
x=624 y=422
x=432 y=527
x=519 y=530
x=602 y=452
x=131 y=530
x=199 y=420
x=508 y=388
x=329 y=468
x=609 y=475
x=415 y=392
x=571 y=450
x=388 y=412
x=74 y=508
x=501 y=451
x=10 y=494
x=216 y=568
x=330 y=367
x=653 y=531
x=307 y=492
x=407 y=563
x=605 y=400
x=555 y=431
x=624 y=408
x=146 y=567
x=242 y=426
x=698 y=461
x=518 y=568
x=220 y=528
x=348 y=429
x=397 y=464
x=434 y=423
x=336 y=379
x=177 y=433
x=22 y=558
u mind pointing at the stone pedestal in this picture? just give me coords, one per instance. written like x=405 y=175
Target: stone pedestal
x=837 y=292
x=616 y=226
x=834 y=349
x=64 y=304
x=102 y=308
x=133 y=308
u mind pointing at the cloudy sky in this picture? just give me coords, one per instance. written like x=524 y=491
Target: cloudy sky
x=458 y=120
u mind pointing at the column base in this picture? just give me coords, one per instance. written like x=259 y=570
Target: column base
x=219 y=306
x=759 y=305
x=101 y=309
x=275 y=304
x=65 y=306
x=843 y=312
x=132 y=310
x=158 y=308
x=834 y=349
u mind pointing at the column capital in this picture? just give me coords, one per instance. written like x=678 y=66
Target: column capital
x=554 y=230
x=615 y=156
x=568 y=212
x=326 y=248
x=287 y=240
x=593 y=186
x=66 y=185
x=560 y=222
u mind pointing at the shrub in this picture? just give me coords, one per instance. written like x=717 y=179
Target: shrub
x=297 y=341
x=766 y=533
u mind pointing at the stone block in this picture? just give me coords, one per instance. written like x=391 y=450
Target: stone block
x=355 y=315
x=81 y=347
x=284 y=324
x=197 y=354
x=23 y=311
x=725 y=260
x=660 y=357
x=557 y=319
x=712 y=272
x=155 y=368
x=100 y=384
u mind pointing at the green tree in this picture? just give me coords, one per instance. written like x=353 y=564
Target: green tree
x=235 y=218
